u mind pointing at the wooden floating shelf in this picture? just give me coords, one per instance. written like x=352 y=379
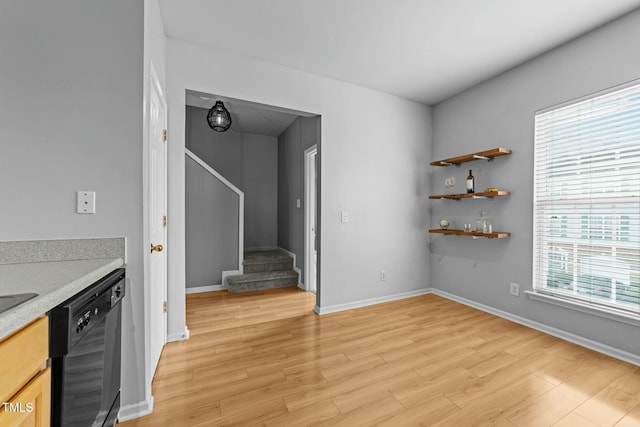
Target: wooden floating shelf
x=483 y=195
x=494 y=235
x=480 y=155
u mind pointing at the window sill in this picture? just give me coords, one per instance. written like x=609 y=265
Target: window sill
x=611 y=314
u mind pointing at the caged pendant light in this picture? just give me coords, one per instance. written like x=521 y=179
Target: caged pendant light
x=219 y=118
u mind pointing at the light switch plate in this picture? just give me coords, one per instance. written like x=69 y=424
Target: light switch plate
x=86 y=202
x=344 y=217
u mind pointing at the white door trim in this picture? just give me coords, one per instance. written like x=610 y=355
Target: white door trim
x=309 y=156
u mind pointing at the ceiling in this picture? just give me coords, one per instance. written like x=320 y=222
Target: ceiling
x=424 y=50
x=246 y=116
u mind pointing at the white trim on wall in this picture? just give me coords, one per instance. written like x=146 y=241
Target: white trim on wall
x=201 y=289
x=370 y=301
x=558 y=333
x=295 y=268
x=135 y=410
x=180 y=336
x=228 y=273
x=213 y=172
x=309 y=154
x=240 y=194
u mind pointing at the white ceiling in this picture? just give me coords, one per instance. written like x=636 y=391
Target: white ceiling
x=425 y=50
x=246 y=116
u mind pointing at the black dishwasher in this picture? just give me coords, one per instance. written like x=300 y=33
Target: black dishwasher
x=84 y=346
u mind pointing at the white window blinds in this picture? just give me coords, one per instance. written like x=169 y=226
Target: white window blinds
x=587 y=199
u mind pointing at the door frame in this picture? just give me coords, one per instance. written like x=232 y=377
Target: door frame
x=310 y=155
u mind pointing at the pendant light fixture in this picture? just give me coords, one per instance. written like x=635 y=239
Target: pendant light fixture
x=219 y=118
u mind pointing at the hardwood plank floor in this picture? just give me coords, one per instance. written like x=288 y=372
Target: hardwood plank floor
x=264 y=358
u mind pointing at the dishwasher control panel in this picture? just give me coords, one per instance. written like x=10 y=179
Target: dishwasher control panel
x=91 y=313
x=84 y=320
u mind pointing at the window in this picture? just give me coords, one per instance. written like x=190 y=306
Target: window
x=587 y=200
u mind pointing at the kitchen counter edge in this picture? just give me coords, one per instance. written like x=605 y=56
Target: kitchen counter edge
x=66 y=278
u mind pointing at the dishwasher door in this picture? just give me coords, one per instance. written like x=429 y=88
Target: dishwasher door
x=82 y=377
x=86 y=372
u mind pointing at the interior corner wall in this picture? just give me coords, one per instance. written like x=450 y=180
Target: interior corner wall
x=301 y=134
x=500 y=112
x=70 y=112
x=260 y=183
x=377 y=171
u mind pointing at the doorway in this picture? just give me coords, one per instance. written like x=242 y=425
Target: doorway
x=263 y=156
x=310 y=218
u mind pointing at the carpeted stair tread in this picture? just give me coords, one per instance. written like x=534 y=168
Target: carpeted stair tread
x=266 y=261
x=264 y=270
x=257 y=277
x=261 y=257
x=259 y=281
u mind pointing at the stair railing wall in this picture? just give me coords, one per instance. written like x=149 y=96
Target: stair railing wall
x=240 y=194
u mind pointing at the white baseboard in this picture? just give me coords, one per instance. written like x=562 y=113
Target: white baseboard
x=370 y=301
x=135 y=410
x=558 y=333
x=179 y=336
x=228 y=273
x=199 y=289
x=295 y=267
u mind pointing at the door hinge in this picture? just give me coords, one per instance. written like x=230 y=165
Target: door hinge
x=164 y=307
x=164 y=135
x=164 y=221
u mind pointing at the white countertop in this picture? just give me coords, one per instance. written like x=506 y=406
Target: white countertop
x=54 y=282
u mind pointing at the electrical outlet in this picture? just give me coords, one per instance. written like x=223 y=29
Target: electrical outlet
x=514 y=289
x=383 y=276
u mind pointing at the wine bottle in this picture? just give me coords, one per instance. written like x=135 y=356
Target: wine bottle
x=470 y=182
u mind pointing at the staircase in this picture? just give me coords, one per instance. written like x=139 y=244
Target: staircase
x=264 y=270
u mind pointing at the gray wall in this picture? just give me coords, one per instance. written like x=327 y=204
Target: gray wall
x=301 y=134
x=212 y=227
x=250 y=162
x=500 y=112
x=70 y=112
x=260 y=186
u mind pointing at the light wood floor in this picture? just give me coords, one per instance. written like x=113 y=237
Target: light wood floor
x=264 y=358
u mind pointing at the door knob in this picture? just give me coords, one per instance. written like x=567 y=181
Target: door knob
x=157 y=248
